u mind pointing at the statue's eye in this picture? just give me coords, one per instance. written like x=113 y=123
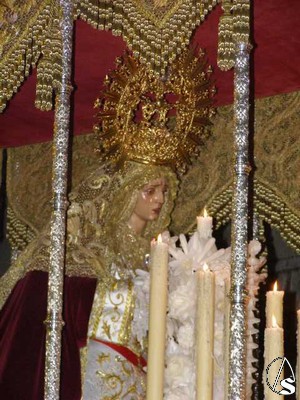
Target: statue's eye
x=150 y=191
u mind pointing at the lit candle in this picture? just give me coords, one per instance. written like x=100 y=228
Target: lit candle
x=273 y=369
x=157 y=319
x=204 y=225
x=205 y=334
x=274 y=306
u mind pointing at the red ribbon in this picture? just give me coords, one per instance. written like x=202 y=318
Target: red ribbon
x=136 y=360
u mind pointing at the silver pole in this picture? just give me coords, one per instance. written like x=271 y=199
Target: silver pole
x=237 y=347
x=54 y=320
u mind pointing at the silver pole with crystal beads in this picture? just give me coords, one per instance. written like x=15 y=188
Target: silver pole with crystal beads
x=54 y=320
x=237 y=347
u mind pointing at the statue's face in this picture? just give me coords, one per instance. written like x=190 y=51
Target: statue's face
x=150 y=200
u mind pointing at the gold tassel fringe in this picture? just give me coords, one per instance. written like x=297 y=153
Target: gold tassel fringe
x=226 y=48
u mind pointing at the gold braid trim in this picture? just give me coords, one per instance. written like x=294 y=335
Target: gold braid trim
x=13 y=275
x=273 y=208
x=23 y=34
x=50 y=67
x=226 y=50
x=269 y=205
x=155 y=31
x=277 y=165
x=18 y=233
x=241 y=21
x=234 y=27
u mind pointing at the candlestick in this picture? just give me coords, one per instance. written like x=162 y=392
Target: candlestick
x=205 y=334
x=157 y=319
x=204 y=225
x=273 y=369
x=274 y=306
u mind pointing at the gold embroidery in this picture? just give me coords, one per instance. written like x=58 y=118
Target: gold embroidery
x=98 y=305
x=106 y=329
x=125 y=367
x=127 y=316
x=155 y=34
x=83 y=362
x=102 y=357
x=132 y=390
x=117 y=377
x=277 y=178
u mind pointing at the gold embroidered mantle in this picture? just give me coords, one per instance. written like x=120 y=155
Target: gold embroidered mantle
x=277 y=178
x=98 y=235
x=112 y=313
x=110 y=376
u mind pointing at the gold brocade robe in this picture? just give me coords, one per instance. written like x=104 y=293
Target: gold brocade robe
x=112 y=369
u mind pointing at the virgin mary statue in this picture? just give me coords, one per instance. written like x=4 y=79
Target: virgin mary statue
x=112 y=217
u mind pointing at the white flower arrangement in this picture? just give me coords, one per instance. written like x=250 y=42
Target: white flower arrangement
x=185 y=259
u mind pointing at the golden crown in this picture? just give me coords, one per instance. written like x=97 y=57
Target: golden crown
x=147 y=119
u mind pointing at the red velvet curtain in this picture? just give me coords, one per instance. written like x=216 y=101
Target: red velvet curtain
x=23 y=333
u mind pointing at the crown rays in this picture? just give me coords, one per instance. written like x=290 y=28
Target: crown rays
x=150 y=120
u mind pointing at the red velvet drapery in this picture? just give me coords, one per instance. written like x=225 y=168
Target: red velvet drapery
x=22 y=337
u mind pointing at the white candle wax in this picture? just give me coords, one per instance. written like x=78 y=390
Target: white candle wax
x=274 y=306
x=204 y=226
x=157 y=320
x=205 y=335
x=273 y=350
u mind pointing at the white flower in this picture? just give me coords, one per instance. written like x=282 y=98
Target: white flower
x=182 y=302
x=141 y=309
x=188 y=257
x=166 y=238
x=172 y=347
x=179 y=371
x=186 y=335
x=171 y=327
x=178 y=393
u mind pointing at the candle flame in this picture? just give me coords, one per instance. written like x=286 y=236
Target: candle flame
x=275 y=287
x=205 y=267
x=159 y=238
x=205 y=213
x=274 y=322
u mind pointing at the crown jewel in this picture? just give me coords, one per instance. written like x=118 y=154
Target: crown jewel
x=150 y=120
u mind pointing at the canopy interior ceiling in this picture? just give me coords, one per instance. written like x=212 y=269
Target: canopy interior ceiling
x=275 y=69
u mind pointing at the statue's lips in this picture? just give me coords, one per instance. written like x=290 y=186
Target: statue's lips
x=156 y=210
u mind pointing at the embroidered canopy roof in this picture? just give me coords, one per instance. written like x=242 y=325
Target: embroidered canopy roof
x=275 y=60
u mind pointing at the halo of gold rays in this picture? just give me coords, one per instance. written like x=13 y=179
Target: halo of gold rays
x=147 y=119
